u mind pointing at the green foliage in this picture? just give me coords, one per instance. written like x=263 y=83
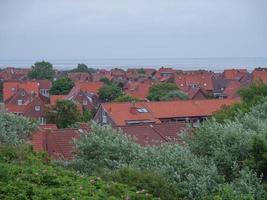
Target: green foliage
x=126 y=98
x=25 y=174
x=108 y=93
x=83 y=68
x=61 y=86
x=15 y=129
x=165 y=91
x=87 y=115
x=108 y=149
x=42 y=70
x=154 y=183
x=106 y=81
x=251 y=95
x=64 y=114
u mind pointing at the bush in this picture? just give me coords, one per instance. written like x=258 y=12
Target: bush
x=15 y=129
x=24 y=179
x=152 y=182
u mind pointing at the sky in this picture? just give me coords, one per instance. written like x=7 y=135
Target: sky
x=82 y=29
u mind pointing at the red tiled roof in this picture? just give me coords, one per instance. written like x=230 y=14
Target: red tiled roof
x=55 y=98
x=44 y=84
x=137 y=89
x=232 y=89
x=187 y=108
x=121 y=112
x=48 y=126
x=10 y=88
x=234 y=74
x=56 y=142
x=90 y=87
x=259 y=75
x=154 y=134
x=80 y=76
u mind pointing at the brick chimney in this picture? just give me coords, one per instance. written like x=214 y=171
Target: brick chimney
x=133 y=109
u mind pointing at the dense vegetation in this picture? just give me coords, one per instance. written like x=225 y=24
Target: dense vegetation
x=165 y=91
x=61 y=86
x=25 y=174
x=109 y=92
x=42 y=70
x=28 y=175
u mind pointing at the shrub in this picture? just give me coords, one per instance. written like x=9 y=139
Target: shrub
x=15 y=129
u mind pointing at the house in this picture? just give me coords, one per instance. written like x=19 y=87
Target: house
x=89 y=87
x=196 y=94
x=139 y=90
x=34 y=109
x=165 y=73
x=10 y=88
x=198 y=79
x=234 y=74
x=101 y=73
x=231 y=91
x=80 y=76
x=33 y=88
x=219 y=84
x=134 y=73
x=193 y=111
x=88 y=100
x=15 y=74
x=118 y=74
x=154 y=134
x=56 y=142
x=259 y=74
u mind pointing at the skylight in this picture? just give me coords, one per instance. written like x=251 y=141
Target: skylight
x=142 y=110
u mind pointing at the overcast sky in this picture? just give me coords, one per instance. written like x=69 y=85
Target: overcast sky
x=82 y=29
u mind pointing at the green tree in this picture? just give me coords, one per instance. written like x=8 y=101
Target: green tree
x=83 y=68
x=42 y=70
x=15 y=129
x=61 y=86
x=126 y=98
x=106 y=81
x=165 y=91
x=108 y=93
x=87 y=115
x=64 y=114
x=250 y=95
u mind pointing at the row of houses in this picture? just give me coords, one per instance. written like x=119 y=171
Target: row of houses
x=150 y=123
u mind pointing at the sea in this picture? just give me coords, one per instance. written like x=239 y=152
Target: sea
x=214 y=64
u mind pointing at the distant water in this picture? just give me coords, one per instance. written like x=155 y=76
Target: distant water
x=215 y=64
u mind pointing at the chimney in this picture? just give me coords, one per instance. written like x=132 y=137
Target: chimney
x=133 y=108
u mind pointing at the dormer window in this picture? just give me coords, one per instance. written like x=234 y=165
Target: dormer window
x=142 y=110
x=37 y=108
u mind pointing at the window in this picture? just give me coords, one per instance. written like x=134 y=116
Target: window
x=20 y=102
x=23 y=93
x=104 y=117
x=84 y=102
x=37 y=108
x=181 y=85
x=13 y=89
x=142 y=110
x=205 y=84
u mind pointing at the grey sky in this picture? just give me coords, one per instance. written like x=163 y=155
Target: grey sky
x=80 y=29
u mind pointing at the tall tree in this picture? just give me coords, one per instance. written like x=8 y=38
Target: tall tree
x=42 y=70
x=83 y=68
x=64 y=114
x=109 y=93
x=62 y=86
